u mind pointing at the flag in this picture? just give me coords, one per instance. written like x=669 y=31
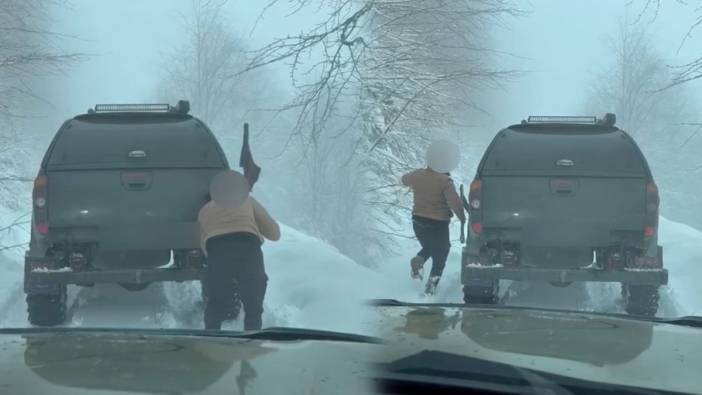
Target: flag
x=246 y=161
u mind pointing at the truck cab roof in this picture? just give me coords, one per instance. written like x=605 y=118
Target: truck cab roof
x=564 y=148
x=133 y=139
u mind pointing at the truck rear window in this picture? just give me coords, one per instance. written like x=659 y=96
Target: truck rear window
x=110 y=143
x=572 y=152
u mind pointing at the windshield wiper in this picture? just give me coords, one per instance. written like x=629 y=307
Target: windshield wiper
x=441 y=373
x=694 y=321
x=272 y=334
x=290 y=334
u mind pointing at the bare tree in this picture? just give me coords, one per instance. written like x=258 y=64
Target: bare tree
x=201 y=68
x=390 y=73
x=28 y=49
x=631 y=85
x=404 y=51
x=691 y=70
x=660 y=119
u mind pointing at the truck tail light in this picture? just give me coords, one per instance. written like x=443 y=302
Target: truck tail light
x=475 y=195
x=652 y=208
x=475 y=203
x=476 y=227
x=39 y=195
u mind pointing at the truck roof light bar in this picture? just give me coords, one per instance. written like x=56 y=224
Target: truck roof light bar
x=183 y=107
x=562 y=119
x=101 y=108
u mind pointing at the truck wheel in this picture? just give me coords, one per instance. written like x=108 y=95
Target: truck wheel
x=47 y=310
x=641 y=299
x=480 y=294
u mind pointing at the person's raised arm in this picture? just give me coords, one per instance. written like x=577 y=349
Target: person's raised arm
x=268 y=227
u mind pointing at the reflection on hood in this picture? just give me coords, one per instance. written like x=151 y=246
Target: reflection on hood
x=598 y=341
x=428 y=323
x=141 y=364
x=590 y=339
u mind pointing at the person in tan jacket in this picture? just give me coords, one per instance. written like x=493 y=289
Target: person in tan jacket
x=233 y=225
x=435 y=203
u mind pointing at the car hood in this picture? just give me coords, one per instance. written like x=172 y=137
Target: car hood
x=593 y=347
x=103 y=362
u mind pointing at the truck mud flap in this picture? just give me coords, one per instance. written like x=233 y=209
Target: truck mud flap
x=641 y=276
x=115 y=276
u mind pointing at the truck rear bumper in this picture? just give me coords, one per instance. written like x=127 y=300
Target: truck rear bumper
x=472 y=273
x=41 y=280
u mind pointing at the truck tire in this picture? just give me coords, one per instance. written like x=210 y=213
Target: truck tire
x=641 y=299
x=481 y=294
x=47 y=310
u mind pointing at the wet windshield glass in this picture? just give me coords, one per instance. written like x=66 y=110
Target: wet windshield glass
x=233 y=165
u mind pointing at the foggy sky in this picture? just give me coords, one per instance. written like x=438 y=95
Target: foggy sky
x=560 y=44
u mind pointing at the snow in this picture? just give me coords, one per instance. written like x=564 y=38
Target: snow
x=169 y=265
x=479 y=266
x=312 y=285
x=682 y=296
x=46 y=270
x=682 y=256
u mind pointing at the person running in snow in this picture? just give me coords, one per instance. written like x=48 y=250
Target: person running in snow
x=233 y=226
x=435 y=202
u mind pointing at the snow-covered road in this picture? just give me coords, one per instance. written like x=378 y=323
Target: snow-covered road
x=312 y=285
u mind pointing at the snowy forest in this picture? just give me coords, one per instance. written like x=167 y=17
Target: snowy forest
x=343 y=97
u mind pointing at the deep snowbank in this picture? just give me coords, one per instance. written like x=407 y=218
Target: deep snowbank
x=682 y=246
x=682 y=255
x=312 y=285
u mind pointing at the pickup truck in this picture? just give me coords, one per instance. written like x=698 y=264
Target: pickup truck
x=116 y=198
x=564 y=199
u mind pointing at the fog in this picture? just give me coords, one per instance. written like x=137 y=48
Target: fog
x=317 y=172
x=559 y=45
x=563 y=44
x=557 y=48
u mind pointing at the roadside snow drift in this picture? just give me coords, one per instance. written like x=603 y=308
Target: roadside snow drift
x=682 y=255
x=312 y=285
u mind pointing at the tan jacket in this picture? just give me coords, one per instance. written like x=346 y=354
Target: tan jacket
x=250 y=217
x=434 y=195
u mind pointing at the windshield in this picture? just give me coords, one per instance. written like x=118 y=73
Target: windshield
x=498 y=169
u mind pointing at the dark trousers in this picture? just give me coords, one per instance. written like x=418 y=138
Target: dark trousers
x=433 y=235
x=235 y=257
